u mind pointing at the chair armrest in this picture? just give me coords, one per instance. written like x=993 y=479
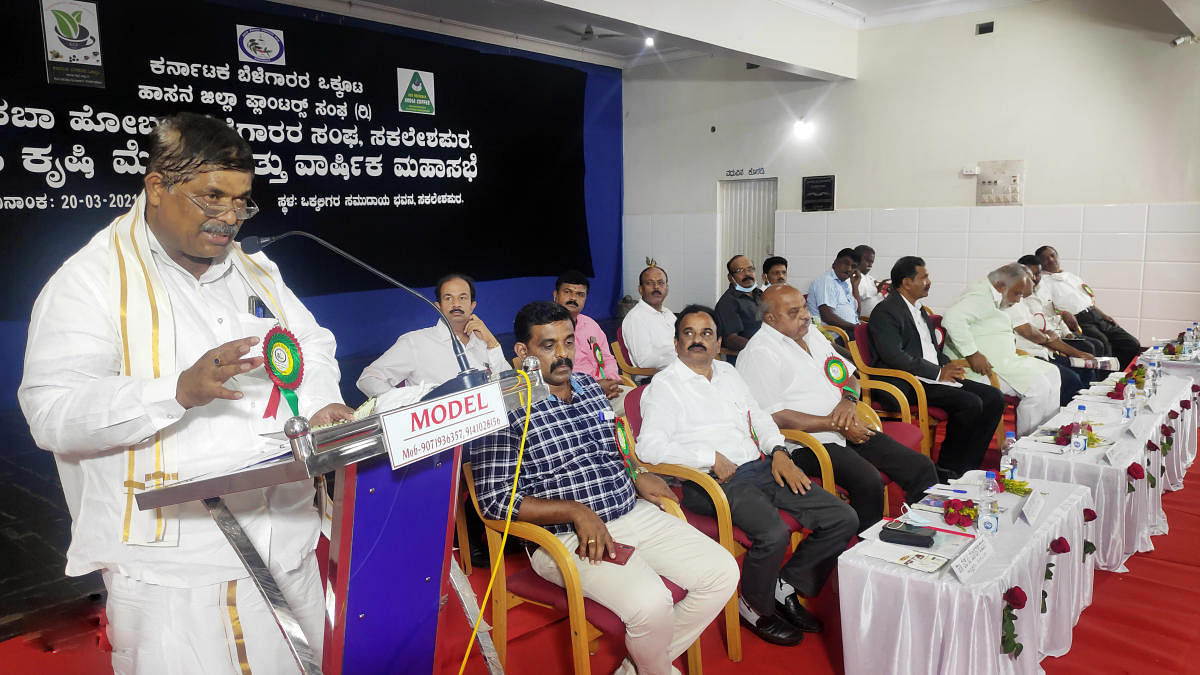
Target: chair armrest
x=626 y=367
x=806 y=439
x=1022 y=352
x=833 y=331
x=894 y=391
x=917 y=386
x=672 y=508
x=711 y=488
x=868 y=416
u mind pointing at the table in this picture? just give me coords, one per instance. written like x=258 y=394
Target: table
x=899 y=620
x=1127 y=519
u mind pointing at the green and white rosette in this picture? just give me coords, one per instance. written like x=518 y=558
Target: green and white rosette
x=1088 y=289
x=836 y=371
x=285 y=365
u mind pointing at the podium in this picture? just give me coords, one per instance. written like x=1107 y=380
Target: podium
x=392 y=525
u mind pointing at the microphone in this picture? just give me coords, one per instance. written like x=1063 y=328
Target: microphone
x=467 y=377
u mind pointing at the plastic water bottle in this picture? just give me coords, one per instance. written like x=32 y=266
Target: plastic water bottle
x=1079 y=436
x=1193 y=334
x=1129 y=409
x=989 y=511
x=1008 y=464
x=1152 y=371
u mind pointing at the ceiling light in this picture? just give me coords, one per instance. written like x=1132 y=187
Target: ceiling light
x=803 y=130
x=649 y=42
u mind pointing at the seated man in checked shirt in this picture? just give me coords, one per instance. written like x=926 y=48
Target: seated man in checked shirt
x=574 y=482
x=699 y=412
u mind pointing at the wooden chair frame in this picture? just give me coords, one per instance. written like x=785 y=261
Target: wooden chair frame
x=924 y=422
x=627 y=368
x=583 y=634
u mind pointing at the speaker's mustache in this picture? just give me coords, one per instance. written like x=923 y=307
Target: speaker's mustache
x=562 y=362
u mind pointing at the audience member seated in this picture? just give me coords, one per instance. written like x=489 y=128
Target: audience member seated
x=795 y=375
x=574 y=481
x=1051 y=319
x=774 y=271
x=867 y=291
x=1068 y=292
x=831 y=298
x=648 y=329
x=593 y=356
x=902 y=338
x=737 y=309
x=1039 y=344
x=699 y=413
x=978 y=329
x=426 y=355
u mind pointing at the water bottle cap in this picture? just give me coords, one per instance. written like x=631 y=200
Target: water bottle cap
x=990 y=474
x=1083 y=407
x=1010 y=434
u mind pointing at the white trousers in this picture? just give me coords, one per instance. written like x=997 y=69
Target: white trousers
x=656 y=631
x=220 y=628
x=1038 y=404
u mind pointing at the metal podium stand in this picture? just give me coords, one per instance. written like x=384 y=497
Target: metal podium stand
x=390 y=535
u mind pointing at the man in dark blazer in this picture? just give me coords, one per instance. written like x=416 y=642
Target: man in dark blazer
x=898 y=341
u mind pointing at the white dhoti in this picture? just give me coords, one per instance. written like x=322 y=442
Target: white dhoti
x=1039 y=403
x=225 y=627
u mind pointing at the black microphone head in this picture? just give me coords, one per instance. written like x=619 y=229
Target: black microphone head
x=252 y=245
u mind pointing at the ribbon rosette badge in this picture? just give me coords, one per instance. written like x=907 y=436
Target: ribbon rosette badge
x=1088 y=289
x=836 y=371
x=285 y=365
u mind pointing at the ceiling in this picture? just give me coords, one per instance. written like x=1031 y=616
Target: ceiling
x=563 y=31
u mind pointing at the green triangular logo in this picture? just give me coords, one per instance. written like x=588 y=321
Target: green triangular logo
x=416 y=99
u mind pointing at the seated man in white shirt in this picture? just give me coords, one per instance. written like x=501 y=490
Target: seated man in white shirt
x=797 y=377
x=648 y=329
x=1051 y=320
x=978 y=329
x=867 y=290
x=426 y=355
x=699 y=413
x=1068 y=292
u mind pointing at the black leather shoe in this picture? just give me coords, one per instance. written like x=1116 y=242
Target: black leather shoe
x=798 y=615
x=480 y=557
x=775 y=630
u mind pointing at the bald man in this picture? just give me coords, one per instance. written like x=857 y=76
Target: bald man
x=795 y=375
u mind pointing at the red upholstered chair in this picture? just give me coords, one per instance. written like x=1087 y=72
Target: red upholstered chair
x=586 y=618
x=721 y=527
x=928 y=417
x=621 y=354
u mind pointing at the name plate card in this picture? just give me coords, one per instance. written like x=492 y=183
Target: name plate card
x=430 y=427
x=1032 y=508
x=970 y=560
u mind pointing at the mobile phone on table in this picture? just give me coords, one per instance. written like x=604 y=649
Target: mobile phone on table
x=623 y=553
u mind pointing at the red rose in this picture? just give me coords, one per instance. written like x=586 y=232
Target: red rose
x=954 y=504
x=999 y=485
x=1088 y=515
x=1136 y=471
x=1060 y=545
x=1151 y=446
x=1174 y=414
x=1196 y=388
x=1015 y=597
x=969 y=504
x=1167 y=431
x=965 y=520
x=952 y=518
x=1185 y=404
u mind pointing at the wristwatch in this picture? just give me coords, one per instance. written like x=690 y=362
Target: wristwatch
x=849 y=394
x=779 y=448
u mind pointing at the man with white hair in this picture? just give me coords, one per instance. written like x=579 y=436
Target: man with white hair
x=978 y=330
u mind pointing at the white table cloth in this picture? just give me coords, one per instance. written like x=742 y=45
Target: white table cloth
x=897 y=620
x=1127 y=519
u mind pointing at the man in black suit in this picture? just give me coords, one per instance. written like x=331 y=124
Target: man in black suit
x=902 y=338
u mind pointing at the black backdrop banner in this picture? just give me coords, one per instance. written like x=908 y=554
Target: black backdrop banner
x=491 y=183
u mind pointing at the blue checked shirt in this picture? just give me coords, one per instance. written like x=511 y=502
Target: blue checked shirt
x=570 y=454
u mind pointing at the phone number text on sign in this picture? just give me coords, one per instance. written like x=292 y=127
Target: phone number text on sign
x=430 y=427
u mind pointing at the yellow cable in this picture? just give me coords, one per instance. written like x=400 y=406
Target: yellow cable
x=512 y=498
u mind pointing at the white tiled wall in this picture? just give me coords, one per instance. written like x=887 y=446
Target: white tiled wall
x=683 y=244
x=1142 y=259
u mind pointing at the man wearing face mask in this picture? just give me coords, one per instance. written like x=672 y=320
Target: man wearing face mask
x=978 y=329
x=426 y=355
x=737 y=309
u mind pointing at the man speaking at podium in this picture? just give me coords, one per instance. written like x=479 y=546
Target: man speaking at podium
x=143 y=368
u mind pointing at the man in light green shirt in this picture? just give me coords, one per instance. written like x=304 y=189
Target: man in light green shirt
x=978 y=330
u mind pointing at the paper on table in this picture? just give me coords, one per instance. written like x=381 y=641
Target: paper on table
x=917 y=560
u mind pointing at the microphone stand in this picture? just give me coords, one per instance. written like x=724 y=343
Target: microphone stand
x=467 y=377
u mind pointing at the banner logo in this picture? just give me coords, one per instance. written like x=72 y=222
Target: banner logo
x=261 y=45
x=416 y=91
x=72 y=38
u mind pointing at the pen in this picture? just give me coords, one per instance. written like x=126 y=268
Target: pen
x=961 y=492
